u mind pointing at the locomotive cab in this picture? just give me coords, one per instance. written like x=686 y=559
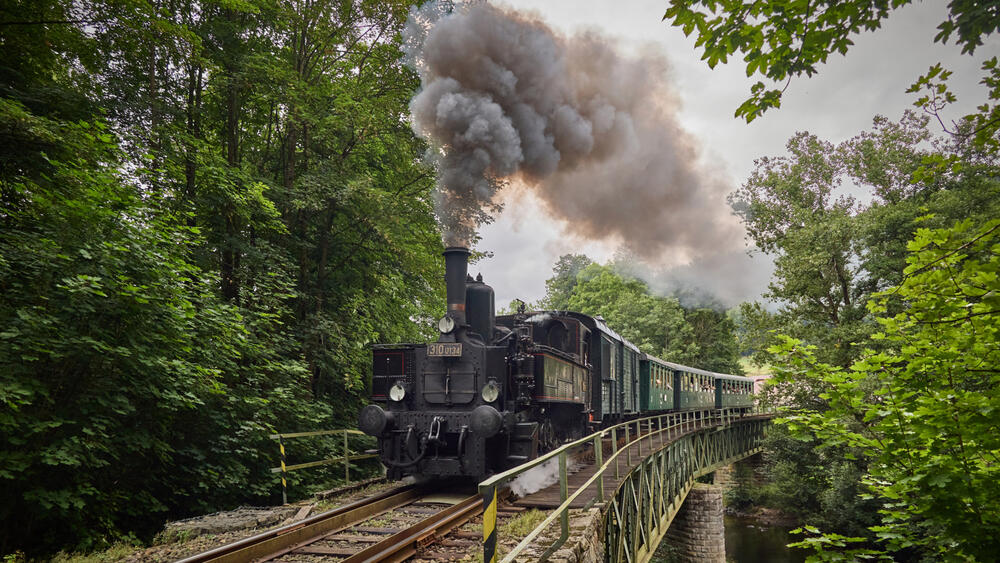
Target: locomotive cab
x=555 y=348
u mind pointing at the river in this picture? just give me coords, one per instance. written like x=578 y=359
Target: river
x=748 y=541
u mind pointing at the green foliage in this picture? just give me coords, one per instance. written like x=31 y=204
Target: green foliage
x=129 y=389
x=657 y=325
x=783 y=40
x=559 y=288
x=980 y=130
x=835 y=547
x=790 y=210
x=744 y=492
x=833 y=257
x=753 y=329
x=832 y=253
x=923 y=409
x=208 y=212
x=819 y=485
x=715 y=333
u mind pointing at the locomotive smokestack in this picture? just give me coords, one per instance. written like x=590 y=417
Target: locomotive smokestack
x=456 y=268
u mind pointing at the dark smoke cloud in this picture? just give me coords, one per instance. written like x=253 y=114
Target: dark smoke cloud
x=589 y=130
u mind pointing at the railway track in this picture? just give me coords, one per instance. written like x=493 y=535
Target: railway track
x=391 y=526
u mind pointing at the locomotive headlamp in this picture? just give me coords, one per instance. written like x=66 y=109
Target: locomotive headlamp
x=397 y=392
x=491 y=391
x=446 y=324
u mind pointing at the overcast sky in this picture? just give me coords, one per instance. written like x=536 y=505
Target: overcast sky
x=835 y=105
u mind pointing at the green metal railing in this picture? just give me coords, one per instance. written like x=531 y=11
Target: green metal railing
x=667 y=427
x=638 y=515
x=346 y=458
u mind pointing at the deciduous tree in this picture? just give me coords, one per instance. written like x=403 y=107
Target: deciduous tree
x=924 y=410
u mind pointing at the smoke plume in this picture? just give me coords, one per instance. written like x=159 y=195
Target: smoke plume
x=591 y=131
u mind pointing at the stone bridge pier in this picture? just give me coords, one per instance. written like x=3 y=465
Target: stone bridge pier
x=698 y=532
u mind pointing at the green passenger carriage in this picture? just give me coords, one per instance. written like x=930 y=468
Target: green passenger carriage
x=733 y=391
x=656 y=385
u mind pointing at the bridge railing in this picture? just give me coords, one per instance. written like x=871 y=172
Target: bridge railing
x=668 y=426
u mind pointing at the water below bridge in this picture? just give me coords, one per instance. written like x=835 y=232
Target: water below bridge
x=749 y=541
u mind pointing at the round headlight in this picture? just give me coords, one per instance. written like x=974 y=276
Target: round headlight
x=397 y=392
x=446 y=324
x=491 y=392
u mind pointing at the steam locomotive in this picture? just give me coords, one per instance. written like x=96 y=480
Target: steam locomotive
x=494 y=392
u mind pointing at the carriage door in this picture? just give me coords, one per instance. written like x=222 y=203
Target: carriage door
x=609 y=364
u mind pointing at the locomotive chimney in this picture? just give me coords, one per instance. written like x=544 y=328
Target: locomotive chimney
x=456 y=268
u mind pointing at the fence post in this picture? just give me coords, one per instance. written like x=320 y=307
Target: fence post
x=628 y=446
x=638 y=435
x=614 y=442
x=489 y=524
x=347 y=460
x=563 y=495
x=284 y=472
x=598 y=462
x=564 y=516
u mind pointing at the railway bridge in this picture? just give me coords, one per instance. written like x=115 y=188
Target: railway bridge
x=637 y=474
x=630 y=480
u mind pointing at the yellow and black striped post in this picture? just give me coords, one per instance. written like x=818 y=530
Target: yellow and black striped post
x=490 y=525
x=284 y=472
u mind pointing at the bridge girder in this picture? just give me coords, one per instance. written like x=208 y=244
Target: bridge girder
x=638 y=515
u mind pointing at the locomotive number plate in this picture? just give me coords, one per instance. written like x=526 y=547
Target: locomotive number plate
x=449 y=349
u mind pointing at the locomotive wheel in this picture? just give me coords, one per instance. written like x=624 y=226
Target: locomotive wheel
x=547 y=439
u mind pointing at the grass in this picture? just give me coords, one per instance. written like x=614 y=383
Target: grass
x=751 y=370
x=114 y=553
x=513 y=529
x=379 y=521
x=522 y=525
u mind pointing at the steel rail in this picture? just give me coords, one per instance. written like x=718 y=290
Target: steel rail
x=405 y=544
x=285 y=538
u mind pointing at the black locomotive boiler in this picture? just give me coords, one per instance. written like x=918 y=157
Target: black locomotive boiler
x=494 y=392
